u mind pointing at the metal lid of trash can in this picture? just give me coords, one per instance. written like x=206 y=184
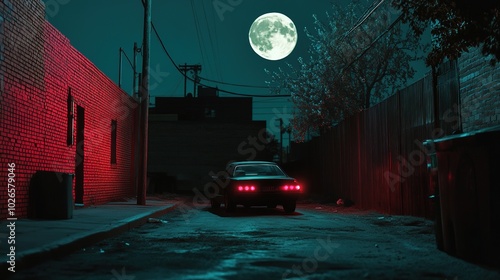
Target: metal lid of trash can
x=483 y=136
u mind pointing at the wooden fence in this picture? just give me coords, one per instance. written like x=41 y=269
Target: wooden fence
x=376 y=158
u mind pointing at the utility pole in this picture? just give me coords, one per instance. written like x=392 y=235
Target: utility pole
x=195 y=68
x=133 y=65
x=184 y=69
x=144 y=107
x=196 y=80
x=120 y=67
x=136 y=86
x=135 y=92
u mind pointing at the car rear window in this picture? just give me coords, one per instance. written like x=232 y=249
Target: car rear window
x=257 y=170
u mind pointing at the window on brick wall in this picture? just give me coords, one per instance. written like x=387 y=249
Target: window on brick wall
x=71 y=117
x=113 y=141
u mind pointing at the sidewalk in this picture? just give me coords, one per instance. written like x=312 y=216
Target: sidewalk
x=38 y=240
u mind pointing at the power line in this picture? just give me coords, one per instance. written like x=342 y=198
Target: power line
x=198 y=33
x=252 y=95
x=217 y=46
x=177 y=86
x=215 y=57
x=209 y=80
x=359 y=23
x=400 y=17
x=191 y=79
x=267 y=100
x=231 y=84
x=126 y=56
x=364 y=17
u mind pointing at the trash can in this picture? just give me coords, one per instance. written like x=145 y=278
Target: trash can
x=51 y=195
x=432 y=169
x=469 y=194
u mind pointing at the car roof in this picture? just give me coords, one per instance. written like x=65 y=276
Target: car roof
x=250 y=162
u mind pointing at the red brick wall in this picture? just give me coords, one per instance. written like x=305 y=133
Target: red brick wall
x=39 y=68
x=479 y=91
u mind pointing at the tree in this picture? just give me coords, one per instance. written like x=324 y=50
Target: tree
x=271 y=148
x=457 y=25
x=356 y=58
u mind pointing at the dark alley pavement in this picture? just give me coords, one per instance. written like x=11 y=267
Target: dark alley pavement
x=318 y=241
x=39 y=240
x=192 y=241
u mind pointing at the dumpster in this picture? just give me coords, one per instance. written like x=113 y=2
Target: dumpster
x=432 y=169
x=468 y=167
x=51 y=195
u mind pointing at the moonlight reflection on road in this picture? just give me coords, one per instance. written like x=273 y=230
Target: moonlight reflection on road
x=273 y=36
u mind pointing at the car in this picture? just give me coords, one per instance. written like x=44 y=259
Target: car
x=257 y=183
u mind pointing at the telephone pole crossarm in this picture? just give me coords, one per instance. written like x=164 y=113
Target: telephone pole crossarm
x=196 y=68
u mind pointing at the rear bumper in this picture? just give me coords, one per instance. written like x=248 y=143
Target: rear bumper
x=263 y=199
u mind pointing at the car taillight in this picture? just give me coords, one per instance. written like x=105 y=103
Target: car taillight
x=291 y=188
x=246 y=188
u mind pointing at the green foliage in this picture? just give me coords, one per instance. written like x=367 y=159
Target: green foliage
x=354 y=61
x=457 y=25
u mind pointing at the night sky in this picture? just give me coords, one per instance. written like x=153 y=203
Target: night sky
x=193 y=31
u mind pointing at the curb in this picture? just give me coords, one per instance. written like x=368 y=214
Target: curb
x=71 y=244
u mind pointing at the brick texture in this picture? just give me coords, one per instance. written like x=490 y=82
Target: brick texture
x=39 y=69
x=479 y=91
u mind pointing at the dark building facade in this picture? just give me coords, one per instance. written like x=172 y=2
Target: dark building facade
x=192 y=137
x=207 y=106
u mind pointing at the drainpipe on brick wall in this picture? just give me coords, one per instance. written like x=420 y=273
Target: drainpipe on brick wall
x=144 y=97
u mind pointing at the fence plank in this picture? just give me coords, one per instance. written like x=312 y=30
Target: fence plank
x=375 y=158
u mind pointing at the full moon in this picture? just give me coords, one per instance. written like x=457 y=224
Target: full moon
x=273 y=36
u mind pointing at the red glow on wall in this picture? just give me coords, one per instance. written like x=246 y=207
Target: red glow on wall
x=41 y=70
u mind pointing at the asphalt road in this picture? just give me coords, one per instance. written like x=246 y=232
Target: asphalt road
x=316 y=242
